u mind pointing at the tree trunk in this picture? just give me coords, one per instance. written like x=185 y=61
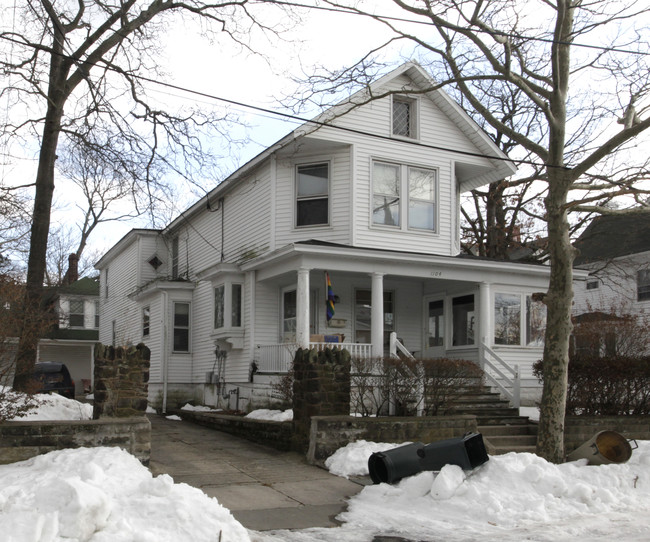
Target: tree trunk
x=550 y=440
x=34 y=318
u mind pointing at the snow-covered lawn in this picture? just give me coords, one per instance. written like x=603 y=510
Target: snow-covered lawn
x=105 y=494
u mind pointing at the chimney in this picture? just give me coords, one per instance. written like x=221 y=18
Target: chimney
x=72 y=274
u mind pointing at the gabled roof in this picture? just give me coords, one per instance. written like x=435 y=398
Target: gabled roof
x=83 y=286
x=613 y=236
x=502 y=166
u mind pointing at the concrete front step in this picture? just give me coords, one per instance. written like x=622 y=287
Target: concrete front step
x=493 y=412
x=507 y=430
x=500 y=420
x=513 y=441
x=500 y=450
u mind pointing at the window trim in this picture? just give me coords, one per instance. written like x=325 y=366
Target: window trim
x=405 y=198
x=298 y=198
x=414 y=117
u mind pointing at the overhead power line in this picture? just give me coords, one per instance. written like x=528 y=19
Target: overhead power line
x=290 y=116
x=515 y=35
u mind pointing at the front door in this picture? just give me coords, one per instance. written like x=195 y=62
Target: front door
x=434 y=327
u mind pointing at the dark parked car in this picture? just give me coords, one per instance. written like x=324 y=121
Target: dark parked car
x=53 y=376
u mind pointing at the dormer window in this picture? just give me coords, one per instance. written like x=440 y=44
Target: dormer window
x=404 y=117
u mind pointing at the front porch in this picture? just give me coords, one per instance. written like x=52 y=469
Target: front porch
x=433 y=307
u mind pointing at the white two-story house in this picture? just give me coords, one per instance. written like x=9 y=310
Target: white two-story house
x=367 y=196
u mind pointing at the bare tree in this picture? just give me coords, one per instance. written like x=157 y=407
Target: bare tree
x=76 y=71
x=580 y=72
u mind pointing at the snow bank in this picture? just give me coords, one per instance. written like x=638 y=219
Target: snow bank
x=271 y=415
x=105 y=495
x=509 y=496
x=56 y=407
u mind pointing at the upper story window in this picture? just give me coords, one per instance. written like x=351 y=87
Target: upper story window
x=419 y=186
x=76 y=313
x=592 y=285
x=181 y=327
x=312 y=195
x=404 y=117
x=643 y=284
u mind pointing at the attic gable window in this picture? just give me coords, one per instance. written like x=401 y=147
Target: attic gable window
x=312 y=195
x=404 y=117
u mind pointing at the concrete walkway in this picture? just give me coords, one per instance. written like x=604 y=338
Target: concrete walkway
x=265 y=489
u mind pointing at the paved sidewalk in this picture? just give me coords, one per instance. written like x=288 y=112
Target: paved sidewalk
x=265 y=489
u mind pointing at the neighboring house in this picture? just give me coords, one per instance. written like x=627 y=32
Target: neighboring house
x=73 y=337
x=225 y=293
x=615 y=249
x=69 y=328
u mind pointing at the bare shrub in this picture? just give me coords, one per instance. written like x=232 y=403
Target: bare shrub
x=409 y=385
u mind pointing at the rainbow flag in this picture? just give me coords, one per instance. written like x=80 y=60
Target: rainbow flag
x=329 y=302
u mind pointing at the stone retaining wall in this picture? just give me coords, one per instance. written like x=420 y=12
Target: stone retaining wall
x=278 y=435
x=329 y=433
x=579 y=429
x=22 y=440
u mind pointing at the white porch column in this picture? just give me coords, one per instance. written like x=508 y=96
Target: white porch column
x=302 y=308
x=377 y=315
x=484 y=314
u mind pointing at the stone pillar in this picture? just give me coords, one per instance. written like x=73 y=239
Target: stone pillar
x=302 y=309
x=121 y=381
x=321 y=387
x=377 y=315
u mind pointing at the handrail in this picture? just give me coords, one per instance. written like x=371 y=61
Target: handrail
x=513 y=382
x=395 y=344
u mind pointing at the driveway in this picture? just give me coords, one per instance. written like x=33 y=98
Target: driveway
x=265 y=489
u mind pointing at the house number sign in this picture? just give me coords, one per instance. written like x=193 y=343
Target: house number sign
x=436 y=273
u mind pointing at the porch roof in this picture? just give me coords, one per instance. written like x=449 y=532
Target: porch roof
x=315 y=254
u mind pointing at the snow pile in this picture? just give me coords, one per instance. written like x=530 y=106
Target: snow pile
x=56 y=407
x=511 y=497
x=174 y=418
x=352 y=460
x=271 y=415
x=200 y=408
x=105 y=494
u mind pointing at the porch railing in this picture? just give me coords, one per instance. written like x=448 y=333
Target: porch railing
x=277 y=358
x=509 y=378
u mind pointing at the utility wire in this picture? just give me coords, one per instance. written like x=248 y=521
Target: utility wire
x=351 y=11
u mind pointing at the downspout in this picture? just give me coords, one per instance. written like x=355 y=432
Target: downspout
x=165 y=352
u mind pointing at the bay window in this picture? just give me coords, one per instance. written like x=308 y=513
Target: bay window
x=227 y=305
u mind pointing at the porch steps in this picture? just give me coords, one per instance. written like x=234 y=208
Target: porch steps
x=501 y=426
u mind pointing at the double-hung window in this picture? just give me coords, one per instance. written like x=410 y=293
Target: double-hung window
x=181 y=327
x=419 y=187
x=312 y=195
x=146 y=321
x=76 y=313
x=643 y=285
